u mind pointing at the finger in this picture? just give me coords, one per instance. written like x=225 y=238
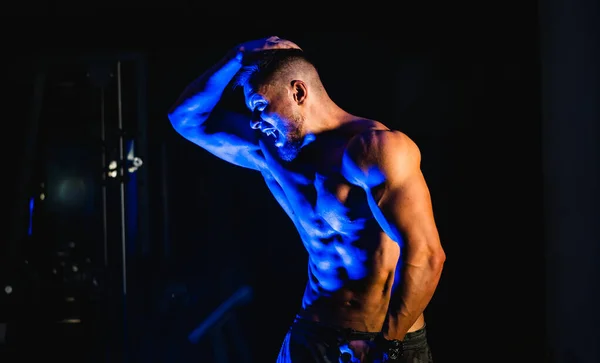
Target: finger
x=273 y=40
x=279 y=43
x=293 y=45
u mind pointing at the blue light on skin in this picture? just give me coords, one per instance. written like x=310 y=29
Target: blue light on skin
x=333 y=258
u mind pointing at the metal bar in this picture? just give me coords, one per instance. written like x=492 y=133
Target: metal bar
x=122 y=165
x=104 y=171
x=241 y=296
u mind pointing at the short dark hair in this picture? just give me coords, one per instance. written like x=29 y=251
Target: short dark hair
x=260 y=67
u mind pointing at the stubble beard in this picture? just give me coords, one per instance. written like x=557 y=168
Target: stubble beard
x=293 y=140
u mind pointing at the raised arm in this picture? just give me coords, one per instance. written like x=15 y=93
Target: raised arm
x=199 y=116
x=387 y=165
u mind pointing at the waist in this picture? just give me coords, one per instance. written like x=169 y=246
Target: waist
x=339 y=333
x=352 y=305
x=412 y=340
x=354 y=313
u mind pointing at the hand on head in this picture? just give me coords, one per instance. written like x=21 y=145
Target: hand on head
x=268 y=43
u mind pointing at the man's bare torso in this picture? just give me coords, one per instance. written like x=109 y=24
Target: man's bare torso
x=351 y=260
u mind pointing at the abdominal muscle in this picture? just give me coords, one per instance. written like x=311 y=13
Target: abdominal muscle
x=351 y=263
x=350 y=286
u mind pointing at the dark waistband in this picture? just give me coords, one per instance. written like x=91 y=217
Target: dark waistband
x=415 y=339
x=343 y=334
x=412 y=340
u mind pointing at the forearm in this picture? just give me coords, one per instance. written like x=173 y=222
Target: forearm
x=201 y=96
x=417 y=286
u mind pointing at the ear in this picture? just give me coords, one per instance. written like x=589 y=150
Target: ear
x=299 y=91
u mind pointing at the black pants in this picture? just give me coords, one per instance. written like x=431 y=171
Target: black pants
x=416 y=348
x=311 y=342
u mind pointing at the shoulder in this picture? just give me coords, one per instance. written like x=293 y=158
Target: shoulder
x=375 y=155
x=376 y=143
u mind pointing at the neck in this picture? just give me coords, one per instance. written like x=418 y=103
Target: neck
x=324 y=117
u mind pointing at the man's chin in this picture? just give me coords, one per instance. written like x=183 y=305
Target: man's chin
x=288 y=152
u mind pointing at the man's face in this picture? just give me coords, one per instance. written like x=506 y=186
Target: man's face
x=277 y=117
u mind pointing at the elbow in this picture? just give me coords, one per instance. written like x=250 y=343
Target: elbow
x=175 y=118
x=183 y=118
x=427 y=258
x=179 y=119
x=437 y=258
